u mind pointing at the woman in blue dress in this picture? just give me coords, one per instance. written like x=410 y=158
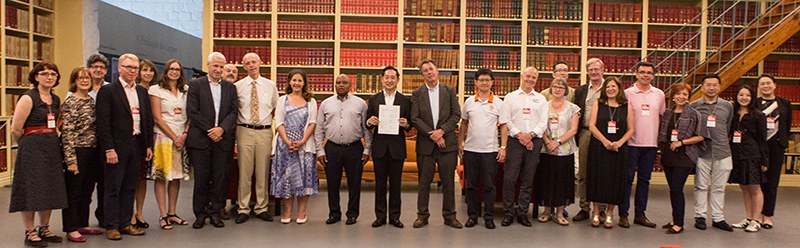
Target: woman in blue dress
x=294 y=172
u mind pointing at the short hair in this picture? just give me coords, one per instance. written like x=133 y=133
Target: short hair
x=703 y=80
x=215 y=55
x=678 y=87
x=130 y=56
x=771 y=77
x=562 y=82
x=306 y=93
x=251 y=53
x=645 y=64
x=41 y=67
x=389 y=67
x=604 y=96
x=73 y=77
x=426 y=61
x=595 y=60
x=148 y=63
x=560 y=63
x=96 y=58
x=342 y=75
x=484 y=71
x=163 y=81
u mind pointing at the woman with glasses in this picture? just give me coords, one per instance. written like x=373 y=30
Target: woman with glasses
x=38 y=185
x=147 y=71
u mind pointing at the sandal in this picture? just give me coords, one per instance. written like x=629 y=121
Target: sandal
x=165 y=223
x=32 y=239
x=544 y=218
x=609 y=223
x=140 y=223
x=596 y=221
x=561 y=221
x=180 y=221
x=48 y=236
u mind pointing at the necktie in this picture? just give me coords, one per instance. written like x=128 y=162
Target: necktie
x=254 y=119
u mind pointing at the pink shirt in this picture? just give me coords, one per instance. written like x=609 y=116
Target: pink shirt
x=648 y=106
x=133 y=101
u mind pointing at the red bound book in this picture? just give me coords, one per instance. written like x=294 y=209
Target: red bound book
x=216 y=25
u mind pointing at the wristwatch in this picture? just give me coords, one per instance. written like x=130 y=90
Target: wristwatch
x=559 y=141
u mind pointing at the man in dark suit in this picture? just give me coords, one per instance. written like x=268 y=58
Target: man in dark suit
x=435 y=113
x=125 y=131
x=212 y=113
x=388 y=150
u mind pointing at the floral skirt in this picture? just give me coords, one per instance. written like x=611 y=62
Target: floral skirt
x=168 y=161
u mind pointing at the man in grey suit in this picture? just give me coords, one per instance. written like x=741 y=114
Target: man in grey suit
x=435 y=113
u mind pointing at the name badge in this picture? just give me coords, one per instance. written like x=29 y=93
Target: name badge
x=527 y=113
x=712 y=121
x=177 y=110
x=645 y=110
x=737 y=137
x=674 y=136
x=553 y=124
x=135 y=112
x=771 y=122
x=612 y=127
x=51 y=120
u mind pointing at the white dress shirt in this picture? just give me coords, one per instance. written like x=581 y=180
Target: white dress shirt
x=267 y=100
x=216 y=95
x=433 y=96
x=524 y=113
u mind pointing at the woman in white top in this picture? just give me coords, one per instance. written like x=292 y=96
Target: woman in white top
x=168 y=101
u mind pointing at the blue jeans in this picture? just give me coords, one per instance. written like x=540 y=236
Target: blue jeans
x=641 y=167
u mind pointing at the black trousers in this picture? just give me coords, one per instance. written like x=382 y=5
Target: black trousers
x=347 y=157
x=520 y=166
x=676 y=179
x=211 y=166
x=773 y=177
x=480 y=167
x=80 y=188
x=98 y=173
x=389 y=170
x=120 y=181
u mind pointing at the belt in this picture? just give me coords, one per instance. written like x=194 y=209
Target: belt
x=38 y=130
x=256 y=127
x=357 y=142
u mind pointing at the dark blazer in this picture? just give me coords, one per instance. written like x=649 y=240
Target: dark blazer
x=384 y=145
x=754 y=137
x=422 y=117
x=201 y=113
x=784 y=121
x=580 y=100
x=114 y=129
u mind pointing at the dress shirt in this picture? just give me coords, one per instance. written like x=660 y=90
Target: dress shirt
x=267 y=100
x=482 y=117
x=592 y=94
x=133 y=102
x=433 y=96
x=342 y=122
x=216 y=95
x=524 y=113
x=389 y=98
x=720 y=147
x=646 y=127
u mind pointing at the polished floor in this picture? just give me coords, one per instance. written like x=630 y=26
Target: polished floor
x=315 y=233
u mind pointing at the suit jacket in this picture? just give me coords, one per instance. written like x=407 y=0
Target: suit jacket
x=114 y=118
x=201 y=113
x=784 y=121
x=580 y=100
x=384 y=145
x=422 y=117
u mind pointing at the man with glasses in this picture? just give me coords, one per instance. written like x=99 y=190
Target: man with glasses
x=125 y=133
x=648 y=105
x=585 y=97
x=560 y=70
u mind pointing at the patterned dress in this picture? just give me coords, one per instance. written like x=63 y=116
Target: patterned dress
x=168 y=162
x=294 y=173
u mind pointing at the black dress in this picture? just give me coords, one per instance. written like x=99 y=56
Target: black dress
x=751 y=153
x=38 y=172
x=607 y=170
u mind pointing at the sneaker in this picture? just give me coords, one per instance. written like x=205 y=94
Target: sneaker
x=753 y=226
x=742 y=224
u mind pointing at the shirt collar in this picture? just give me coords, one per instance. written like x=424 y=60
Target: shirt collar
x=126 y=84
x=346 y=97
x=636 y=89
x=386 y=94
x=491 y=97
x=522 y=92
x=434 y=87
x=215 y=83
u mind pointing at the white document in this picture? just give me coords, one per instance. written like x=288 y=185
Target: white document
x=389 y=119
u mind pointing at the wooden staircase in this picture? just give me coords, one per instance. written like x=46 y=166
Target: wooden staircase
x=750 y=46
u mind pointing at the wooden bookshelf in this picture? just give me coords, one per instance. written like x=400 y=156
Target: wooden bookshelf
x=27 y=39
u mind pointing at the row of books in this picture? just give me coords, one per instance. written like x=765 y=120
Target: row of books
x=17 y=18
x=555 y=9
x=431 y=32
x=790 y=92
x=716 y=39
x=43 y=50
x=795 y=120
x=368 y=31
x=445 y=58
x=305 y=56
x=306 y=6
x=3 y=165
x=413 y=81
x=369 y=7
x=617 y=63
x=544 y=61
x=673 y=65
x=47 y=4
x=615 y=12
x=731 y=92
x=494 y=33
x=782 y=68
x=672 y=40
x=792 y=45
x=432 y=7
x=674 y=14
x=316 y=82
x=43 y=24
x=494 y=8
x=554 y=36
x=17 y=75
x=492 y=59
x=17 y=47
x=234 y=54
x=544 y=83
x=365 y=83
x=3 y=127
x=367 y=57
x=501 y=86
x=242 y=5
x=305 y=30
x=249 y=29
x=609 y=37
x=737 y=16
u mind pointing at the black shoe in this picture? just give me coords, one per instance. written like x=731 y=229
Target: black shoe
x=723 y=226
x=141 y=224
x=700 y=223
x=378 y=223
x=489 y=224
x=332 y=220
x=242 y=218
x=454 y=223
x=523 y=220
x=350 y=220
x=582 y=215
x=199 y=223
x=471 y=222
x=265 y=216
x=35 y=243
x=217 y=222
x=507 y=221
x=396 y=223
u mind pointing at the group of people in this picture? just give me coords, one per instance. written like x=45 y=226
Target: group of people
x=115 y=135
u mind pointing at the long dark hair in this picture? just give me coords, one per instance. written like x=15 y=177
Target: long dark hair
x=307 y=95
x=163 y=82
x=148 y=63
x=751 y=107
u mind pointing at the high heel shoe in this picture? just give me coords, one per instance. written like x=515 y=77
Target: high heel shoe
x=303 y=220
x=286 y=221
x=596 y=221
x=609 y=223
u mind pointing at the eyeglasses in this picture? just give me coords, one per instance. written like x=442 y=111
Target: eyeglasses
x=647 y=72
x=558 y=87
x=175 y=69
x=46 y=74
x=131 y=68
x=84 y=78
x=98 y=67
x=484 y=80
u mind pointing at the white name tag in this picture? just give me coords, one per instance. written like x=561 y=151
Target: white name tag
x=712 y=121
x=135 y=112
x=674 y=136
x=770 y=122
x=737 y=137
x=612 y=127
x=553 y=124
x=51 y=120
x=645 y=110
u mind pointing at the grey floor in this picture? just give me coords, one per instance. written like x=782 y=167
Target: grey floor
x=317 y=234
